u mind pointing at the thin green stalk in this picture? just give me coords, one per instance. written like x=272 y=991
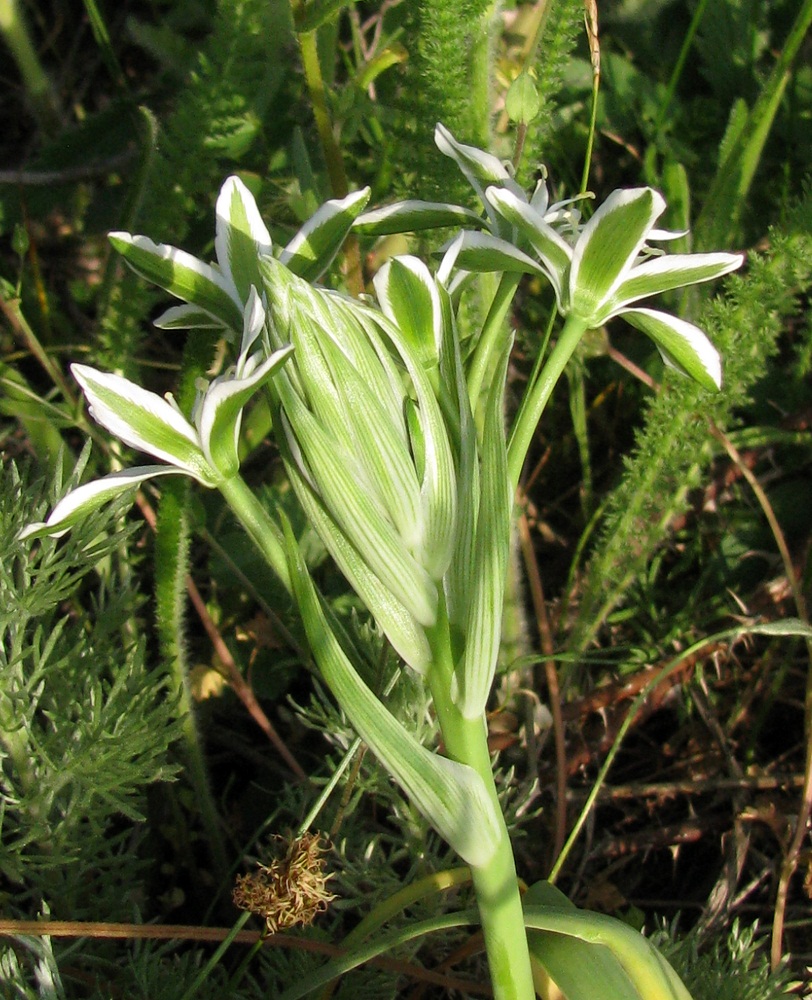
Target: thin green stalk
x=595 y=59
x=35 y=80
x=679 y=66
x=538 y=395
x=257 y=522
x=308 y=46
x=492 y=330
x=495 y=884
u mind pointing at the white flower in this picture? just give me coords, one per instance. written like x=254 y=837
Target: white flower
x=204 y=448
x=608 y=267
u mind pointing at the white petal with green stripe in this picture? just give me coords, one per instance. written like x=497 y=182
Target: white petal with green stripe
x=408 y=296
x=183 y=276
x=241 y=236
x=413 y=216
x=145 y=421
x=682 y=345
x=553 y=251
x=313 y=248
x=86 y=499
x=661 y=274
x=608 y=247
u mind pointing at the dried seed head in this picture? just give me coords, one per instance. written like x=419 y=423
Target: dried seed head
x=291 y=891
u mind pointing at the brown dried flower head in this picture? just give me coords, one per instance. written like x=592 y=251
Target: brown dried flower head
x=291 y=890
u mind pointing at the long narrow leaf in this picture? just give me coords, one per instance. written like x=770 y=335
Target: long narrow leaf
x=452 y=796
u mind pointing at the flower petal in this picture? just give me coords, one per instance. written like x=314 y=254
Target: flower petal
x=241 y=236
x=183 y=276
x=84 y=500
x=553 y=250
x=660 y=274
x=143 y=420
x=608 y=247
x=682 y=345
x=414 y=216
x=484 y=252
x=220 y=412
x=312 y=249
x=188 y=318
x=473 y=162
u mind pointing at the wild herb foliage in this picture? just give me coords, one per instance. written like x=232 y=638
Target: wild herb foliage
x=85 y=724
x=731 y=968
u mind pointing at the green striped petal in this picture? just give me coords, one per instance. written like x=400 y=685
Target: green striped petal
x=313 y=248
x=413 y=216
x=241 y=237
x=661 y=274
x=86 y=499
x=608 y=247
x=145 y=421
x=183 y=276
x=682 y=345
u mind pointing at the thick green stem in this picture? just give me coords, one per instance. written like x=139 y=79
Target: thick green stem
x=495 y=884
x=539 y=394
x=257 y=522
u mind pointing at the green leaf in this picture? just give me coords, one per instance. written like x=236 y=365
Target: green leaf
x=486 y=587
x=313 y=248
x=452 y=796
x=183 y=276
x=579 y=970
x=650 y=974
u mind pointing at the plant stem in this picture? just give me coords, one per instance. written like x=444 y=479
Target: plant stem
x=308 y=45
x=491 y=332
x=35 y=80
x=495 y=883
x=257 y=522
x=538 y=395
